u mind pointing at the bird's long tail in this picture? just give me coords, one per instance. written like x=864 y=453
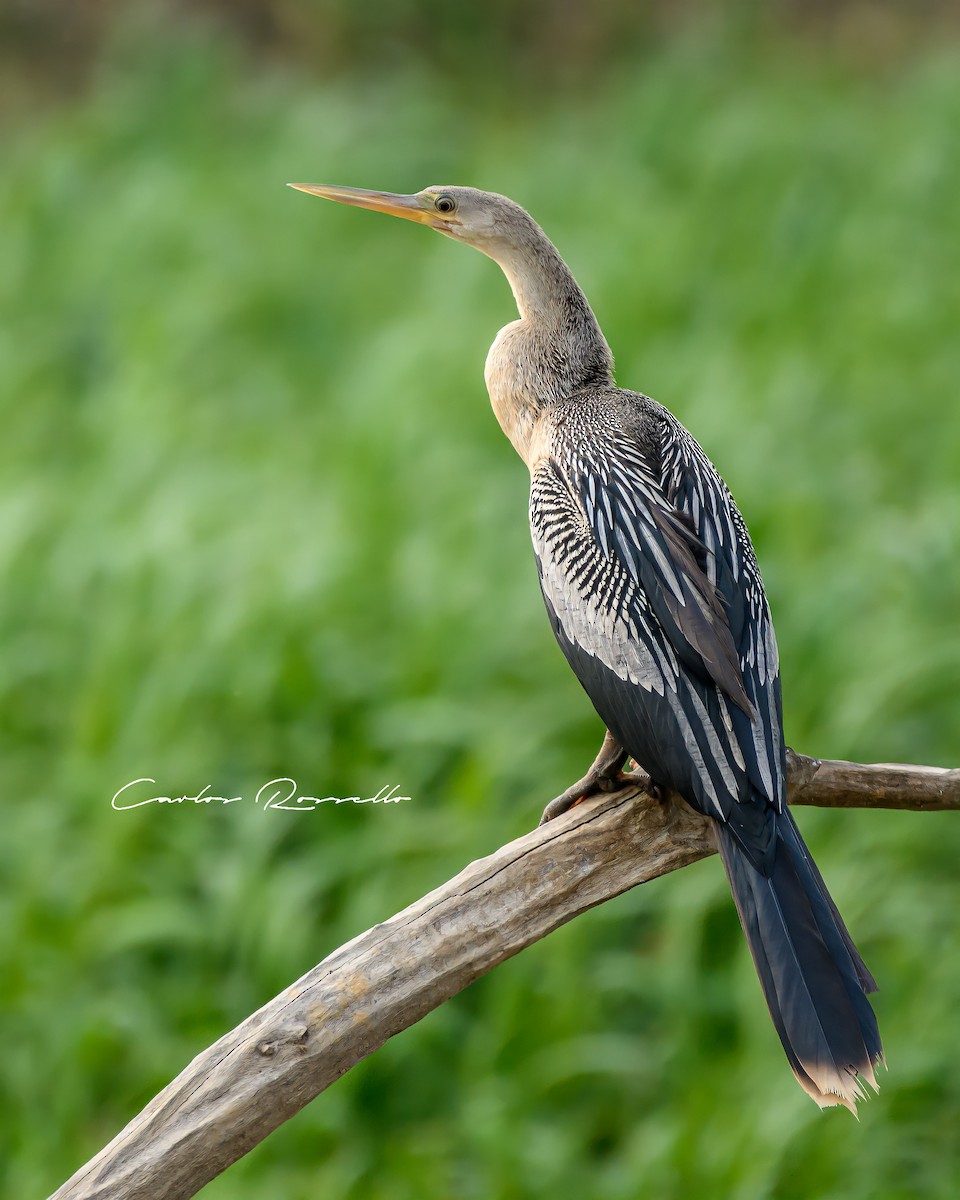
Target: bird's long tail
x=813 y=978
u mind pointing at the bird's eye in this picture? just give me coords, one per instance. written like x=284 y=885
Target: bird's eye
x=445 y=204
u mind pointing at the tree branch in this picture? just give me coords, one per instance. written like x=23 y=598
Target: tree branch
x=829 y=783
x=260 y=1074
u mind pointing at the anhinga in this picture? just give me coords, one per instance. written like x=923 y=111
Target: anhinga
x=653 y=592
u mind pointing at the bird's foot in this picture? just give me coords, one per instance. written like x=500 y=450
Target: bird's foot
x=604 y=776
x=656 y=792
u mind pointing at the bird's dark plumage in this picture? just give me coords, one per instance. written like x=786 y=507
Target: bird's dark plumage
x=653 y=592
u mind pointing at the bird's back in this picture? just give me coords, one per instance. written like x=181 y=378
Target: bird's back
x=653 y=592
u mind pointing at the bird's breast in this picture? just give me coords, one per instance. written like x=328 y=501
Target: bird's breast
x=515 y=386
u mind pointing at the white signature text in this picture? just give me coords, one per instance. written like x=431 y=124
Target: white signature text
x=280 y=794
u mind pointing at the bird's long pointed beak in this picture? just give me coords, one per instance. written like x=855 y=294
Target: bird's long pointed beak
x=408 y=207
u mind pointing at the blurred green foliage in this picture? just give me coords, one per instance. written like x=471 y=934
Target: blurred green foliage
x=256 y=519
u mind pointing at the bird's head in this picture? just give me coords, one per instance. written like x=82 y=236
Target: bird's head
x=485 y=220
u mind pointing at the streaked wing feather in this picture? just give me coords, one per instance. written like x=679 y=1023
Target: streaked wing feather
x=626 y=508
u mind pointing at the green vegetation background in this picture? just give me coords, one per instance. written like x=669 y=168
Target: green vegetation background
x=257 y=520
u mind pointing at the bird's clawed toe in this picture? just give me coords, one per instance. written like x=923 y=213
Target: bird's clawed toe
x=604 y=776
x=562 y=804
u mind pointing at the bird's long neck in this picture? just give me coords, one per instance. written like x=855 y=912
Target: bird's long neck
x=553 y=351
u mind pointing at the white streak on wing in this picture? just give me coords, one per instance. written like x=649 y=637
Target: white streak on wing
x=710 y=541
x=761 y=655
x=626 y=503
x=695 y=509
x=765 y=753
x=721 y=759
x=773 y=654
x=688 y=734
x=603 y=532
x=728 y=729
x=728 y=520
x=605 y=498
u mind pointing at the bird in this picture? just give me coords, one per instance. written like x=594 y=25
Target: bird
x=652 y=587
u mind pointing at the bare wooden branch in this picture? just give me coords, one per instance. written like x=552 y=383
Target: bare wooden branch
x=829 y=783
x=260 y=1074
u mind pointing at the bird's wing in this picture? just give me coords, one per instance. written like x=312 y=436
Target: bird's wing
x=662 y=549
x=670 y=556
x=650 y=579
x=691 y=483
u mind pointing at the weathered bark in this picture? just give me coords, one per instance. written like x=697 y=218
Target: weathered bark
x=829 y=783
x=264 y=1071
